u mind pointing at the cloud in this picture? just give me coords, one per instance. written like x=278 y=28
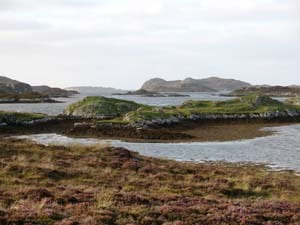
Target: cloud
x=31 y=4
x=137 y=37
x=20 y=25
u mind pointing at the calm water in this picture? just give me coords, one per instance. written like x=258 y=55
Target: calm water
x=57 y=108
x=281 y=150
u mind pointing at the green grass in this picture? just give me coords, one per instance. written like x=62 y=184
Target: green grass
x=101 y=106
x=252 y=104
x=130 y=112
x=294 y=101
x=4 y=115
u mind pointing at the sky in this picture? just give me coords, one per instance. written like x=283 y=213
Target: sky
x=122 y=43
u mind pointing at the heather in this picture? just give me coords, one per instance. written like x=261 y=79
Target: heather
x=106 y=185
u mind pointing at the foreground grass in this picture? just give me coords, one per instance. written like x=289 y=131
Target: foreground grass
x=105 y=185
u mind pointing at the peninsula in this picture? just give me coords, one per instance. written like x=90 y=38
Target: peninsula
x=13 y=91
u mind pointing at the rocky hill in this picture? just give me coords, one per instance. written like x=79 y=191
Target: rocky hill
x=10 y=86
x=211 y=84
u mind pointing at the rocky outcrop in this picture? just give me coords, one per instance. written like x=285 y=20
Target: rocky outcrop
x=100 y=107
x=176 y=119
x=260 y=100
x=212 y=84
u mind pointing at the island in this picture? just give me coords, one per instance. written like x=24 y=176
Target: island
x=191 y=121
x=252 y=106
x=145 y=93
x=211 y=84
x=97 y=116
x=272 y=91
x=13 y=91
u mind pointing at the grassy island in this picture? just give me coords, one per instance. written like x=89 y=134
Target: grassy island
x=130 y=112
x=252 y=104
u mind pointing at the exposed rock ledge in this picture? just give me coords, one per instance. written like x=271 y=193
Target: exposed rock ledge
x=284 y=115
x=13 y=121
x=144 y=124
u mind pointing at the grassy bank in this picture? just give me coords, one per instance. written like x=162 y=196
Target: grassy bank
x=13 y=116
x=104 y=185
x=31 y=97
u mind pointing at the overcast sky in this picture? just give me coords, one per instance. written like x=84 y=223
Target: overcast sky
x=122 y=43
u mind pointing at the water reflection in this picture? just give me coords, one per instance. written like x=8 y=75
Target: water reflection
x=280 y=150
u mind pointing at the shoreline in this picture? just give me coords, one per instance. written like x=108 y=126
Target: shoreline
x=271 y=167
x=189 y=131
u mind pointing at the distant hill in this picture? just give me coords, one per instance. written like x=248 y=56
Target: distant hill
x=53 y=92
x=272 y=91
x=10 y=86
x=93 y=90
x=13 y=87
x=211 y=84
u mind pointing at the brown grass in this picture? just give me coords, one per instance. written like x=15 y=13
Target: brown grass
x=105 y=185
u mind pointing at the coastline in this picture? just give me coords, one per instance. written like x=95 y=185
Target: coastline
x=188 y=131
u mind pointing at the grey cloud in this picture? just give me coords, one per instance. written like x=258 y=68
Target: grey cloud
x=89 y=40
